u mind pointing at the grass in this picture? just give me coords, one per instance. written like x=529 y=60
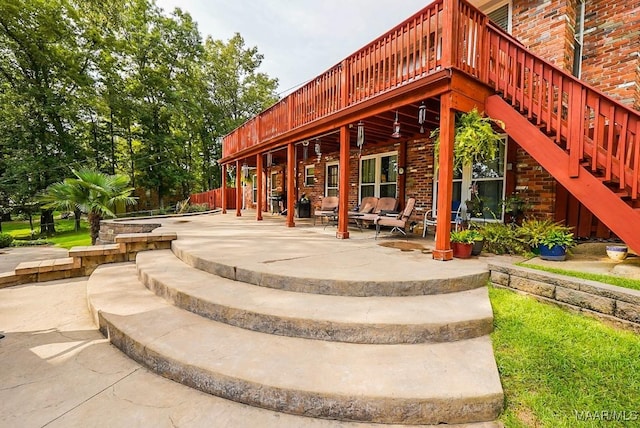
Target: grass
x=555 y=366
x=65 y=237
x=607 y=279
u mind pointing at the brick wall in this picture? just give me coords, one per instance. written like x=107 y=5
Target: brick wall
x=546 y=28
x=611 y=60
x=535 y=185
x=611 y=47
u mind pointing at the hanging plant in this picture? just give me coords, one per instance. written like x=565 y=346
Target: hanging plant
x=475 y=140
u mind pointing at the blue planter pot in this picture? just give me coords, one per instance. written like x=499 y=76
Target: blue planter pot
x=555 y=253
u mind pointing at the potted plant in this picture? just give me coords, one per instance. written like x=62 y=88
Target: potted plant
x=555 y=242
x=515 y=207
x=475 y=206
x=478 y=242
x=462 y=243
x=532 y=230
x=475 y=140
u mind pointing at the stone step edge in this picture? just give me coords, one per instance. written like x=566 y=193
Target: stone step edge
x=351 y=408
x=369 y=330
x=331 y=286
x=82 y=260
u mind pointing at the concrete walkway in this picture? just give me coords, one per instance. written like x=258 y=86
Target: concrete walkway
x=59 y=371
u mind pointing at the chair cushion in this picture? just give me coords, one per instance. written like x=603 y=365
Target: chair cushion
x=367 y=208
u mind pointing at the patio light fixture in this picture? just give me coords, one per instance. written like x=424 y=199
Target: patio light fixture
x=396 y=127
x=318 y=149
x=245 y=170
x=422 y=116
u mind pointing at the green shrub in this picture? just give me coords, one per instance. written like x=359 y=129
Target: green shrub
x=196 y=208
x=30 y=242
x=500 y=238
x=5 y=240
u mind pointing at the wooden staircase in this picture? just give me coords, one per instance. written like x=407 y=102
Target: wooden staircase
x=587 y=141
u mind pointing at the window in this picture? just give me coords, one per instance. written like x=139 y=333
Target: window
x=485 y=179
x=254 y=188
x=332 y=179
x=501 y=16
x=378 y=175
x=578 y=39
x=309 y=175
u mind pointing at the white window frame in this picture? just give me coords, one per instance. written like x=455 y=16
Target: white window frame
x=326 y=178
x=308 y=176
x=254 y=188
x=378 y=169
x=578 y=43
x=468 y=180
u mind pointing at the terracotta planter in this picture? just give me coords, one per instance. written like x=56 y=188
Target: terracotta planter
x=461 y=250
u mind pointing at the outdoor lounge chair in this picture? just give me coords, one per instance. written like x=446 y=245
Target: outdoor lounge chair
x=328 y=208
x=458 y=214
x=399 y=221
x=382 y=205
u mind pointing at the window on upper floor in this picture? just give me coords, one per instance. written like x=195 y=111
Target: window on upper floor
x=578 y=39
x=501 y=15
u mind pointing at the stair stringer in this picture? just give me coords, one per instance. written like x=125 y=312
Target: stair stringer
x=621 y=218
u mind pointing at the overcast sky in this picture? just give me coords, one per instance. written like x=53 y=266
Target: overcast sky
x=299 y=39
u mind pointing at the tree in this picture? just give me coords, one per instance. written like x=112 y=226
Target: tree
x=91 y=192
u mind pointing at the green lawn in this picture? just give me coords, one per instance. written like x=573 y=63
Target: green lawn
x=560 y=369
x=65 y=236
x=607 y=279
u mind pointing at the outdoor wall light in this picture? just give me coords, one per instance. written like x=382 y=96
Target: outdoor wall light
x=318 y=149
x=422 y=116
x=360 y=140
x=245 y=170
x=396 y=127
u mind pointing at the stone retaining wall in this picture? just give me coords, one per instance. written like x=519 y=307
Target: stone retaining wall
x=82 y=261
x=109 y=229
x=609 y=302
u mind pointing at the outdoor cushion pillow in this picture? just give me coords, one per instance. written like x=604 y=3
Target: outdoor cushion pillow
x=367 y=208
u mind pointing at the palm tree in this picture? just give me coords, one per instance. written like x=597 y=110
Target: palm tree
x=91 y=192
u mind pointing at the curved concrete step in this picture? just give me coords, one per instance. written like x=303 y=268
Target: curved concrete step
x=342 y=273
x=415 y=319
x=453 y=382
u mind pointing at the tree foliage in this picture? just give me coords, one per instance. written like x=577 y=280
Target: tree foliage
x=121 y=87
x=91 y=192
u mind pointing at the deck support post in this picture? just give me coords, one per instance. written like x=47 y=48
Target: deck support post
x=291 y=183
x=343 y=185
x=239 y=194
x=259 y=195
x=445 y=179
x=224 y=188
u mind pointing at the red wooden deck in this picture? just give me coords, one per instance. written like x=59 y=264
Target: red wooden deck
x=450 y=56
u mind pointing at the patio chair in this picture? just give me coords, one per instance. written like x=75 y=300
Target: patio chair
x=458 y=214
x=398 y=222
x=328 y=209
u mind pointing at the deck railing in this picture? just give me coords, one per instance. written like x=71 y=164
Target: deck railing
x=411 y=50
x=597 y=131
x=452 y=33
